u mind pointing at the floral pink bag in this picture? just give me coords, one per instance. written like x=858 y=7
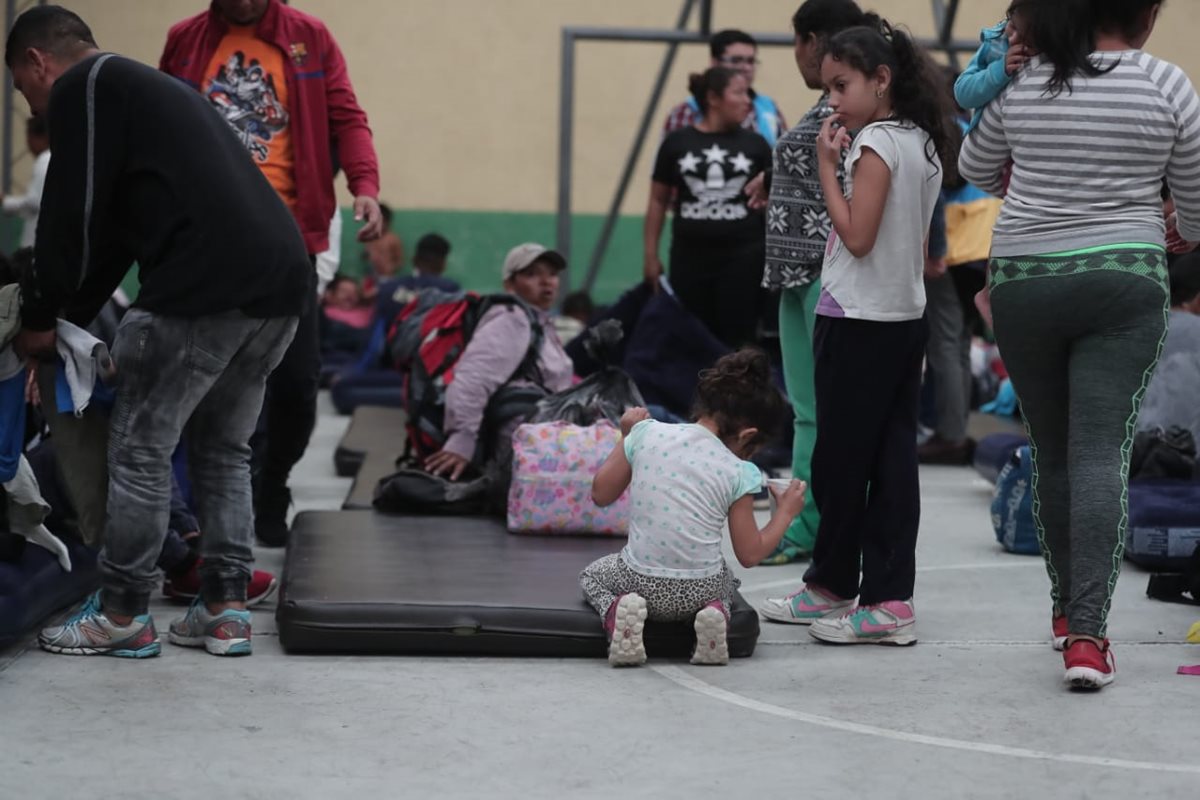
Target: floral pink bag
x=553 y=467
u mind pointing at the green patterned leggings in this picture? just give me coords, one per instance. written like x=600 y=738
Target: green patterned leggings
x=1080 y=335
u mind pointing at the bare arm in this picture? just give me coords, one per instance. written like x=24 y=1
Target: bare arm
x=656 y=215
x=857 y=220
x=750 y=544
x=616 y=472
x=756 y=192
x=613 y=478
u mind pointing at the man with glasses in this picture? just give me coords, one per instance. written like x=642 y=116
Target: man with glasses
x=736 y=50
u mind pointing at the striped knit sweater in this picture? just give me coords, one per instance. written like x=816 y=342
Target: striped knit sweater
x=1088 y=164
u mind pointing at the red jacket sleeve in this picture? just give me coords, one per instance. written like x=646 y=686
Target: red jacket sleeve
x=348 y=125
x=167 y=62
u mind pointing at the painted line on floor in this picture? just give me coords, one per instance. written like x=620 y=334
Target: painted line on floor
x=797 y=581
x=810 y=642
x=688 y=681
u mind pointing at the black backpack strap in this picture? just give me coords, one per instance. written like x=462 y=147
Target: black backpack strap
x=528 y=368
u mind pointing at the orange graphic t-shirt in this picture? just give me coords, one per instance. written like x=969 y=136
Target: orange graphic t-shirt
x=247 y=83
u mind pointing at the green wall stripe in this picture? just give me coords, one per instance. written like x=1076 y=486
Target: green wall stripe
x=480 y=240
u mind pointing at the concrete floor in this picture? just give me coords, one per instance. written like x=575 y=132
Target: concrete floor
x=977 y=709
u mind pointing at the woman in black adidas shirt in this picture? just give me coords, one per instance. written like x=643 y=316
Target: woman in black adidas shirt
x=717 y=248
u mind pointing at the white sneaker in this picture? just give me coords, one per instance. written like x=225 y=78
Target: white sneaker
x=804 y=607
x=893 y=622
x=626 y=648
x=712 y=631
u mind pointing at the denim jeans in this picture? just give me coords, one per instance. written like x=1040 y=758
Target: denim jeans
x=202 y=379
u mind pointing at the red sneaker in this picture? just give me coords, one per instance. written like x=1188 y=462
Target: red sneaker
x=1089 y=666
x=184 y=588
x=1058 y=624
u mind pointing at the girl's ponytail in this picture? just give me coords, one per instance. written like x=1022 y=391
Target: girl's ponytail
x=920 y=94
x=919 y=91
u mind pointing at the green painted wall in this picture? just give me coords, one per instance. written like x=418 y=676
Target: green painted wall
x=10 y=233
x=480 y=241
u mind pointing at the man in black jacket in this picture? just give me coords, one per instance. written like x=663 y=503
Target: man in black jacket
x=145 y=172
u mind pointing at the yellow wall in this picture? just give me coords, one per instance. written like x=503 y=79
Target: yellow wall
x=463 y=94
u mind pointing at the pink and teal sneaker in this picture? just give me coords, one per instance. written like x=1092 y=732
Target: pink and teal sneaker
x=893 y=622
x=89 y=632
x=803 y=607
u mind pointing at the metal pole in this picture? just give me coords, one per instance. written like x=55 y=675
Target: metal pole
x=572 y=35
x=635 y=150
x=666 y=36
x=10 y=16
x=705 y=18
x=566 y=113
x=947 y=33
x=939 y=16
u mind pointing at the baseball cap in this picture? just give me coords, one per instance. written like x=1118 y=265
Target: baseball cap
x=523 y=255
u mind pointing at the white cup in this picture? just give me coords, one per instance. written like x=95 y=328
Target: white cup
x=780 y=485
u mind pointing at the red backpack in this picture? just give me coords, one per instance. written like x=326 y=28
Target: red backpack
x=426 y=340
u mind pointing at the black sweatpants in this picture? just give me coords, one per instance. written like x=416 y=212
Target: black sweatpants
x=864 y=465
x=289 y=411
x=721 y=285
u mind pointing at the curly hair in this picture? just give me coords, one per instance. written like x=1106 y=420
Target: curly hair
x=739 y=392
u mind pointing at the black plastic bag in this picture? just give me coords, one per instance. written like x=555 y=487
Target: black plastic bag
x=1164 y=454
x=411 y=490
x=605 y=394
x=1181 y=587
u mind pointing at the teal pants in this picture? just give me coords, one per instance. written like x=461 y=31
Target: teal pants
x=797 y=315
x=1080 y=336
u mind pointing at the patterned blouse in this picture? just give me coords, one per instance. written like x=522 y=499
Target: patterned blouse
x=797 y=221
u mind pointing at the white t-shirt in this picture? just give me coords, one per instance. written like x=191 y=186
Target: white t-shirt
x=28 y=205
x=887 y=284
x=684 y=481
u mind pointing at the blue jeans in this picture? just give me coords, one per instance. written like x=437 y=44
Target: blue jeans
x=202 y=379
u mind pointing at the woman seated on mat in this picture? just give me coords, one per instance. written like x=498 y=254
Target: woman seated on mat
x=514 y=345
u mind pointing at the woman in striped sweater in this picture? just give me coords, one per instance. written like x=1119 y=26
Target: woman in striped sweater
x=1078 y=277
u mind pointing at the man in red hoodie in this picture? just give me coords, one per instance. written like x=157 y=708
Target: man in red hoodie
x=280 y=81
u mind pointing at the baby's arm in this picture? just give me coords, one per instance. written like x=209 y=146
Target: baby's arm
x=616 y=472
x=752 y=545
x=613 y=478
x=982 y=81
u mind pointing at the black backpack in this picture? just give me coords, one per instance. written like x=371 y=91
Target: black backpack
x=1181 y=587
x=426 y=340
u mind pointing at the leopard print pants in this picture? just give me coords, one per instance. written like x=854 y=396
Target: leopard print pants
x=667 y=599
